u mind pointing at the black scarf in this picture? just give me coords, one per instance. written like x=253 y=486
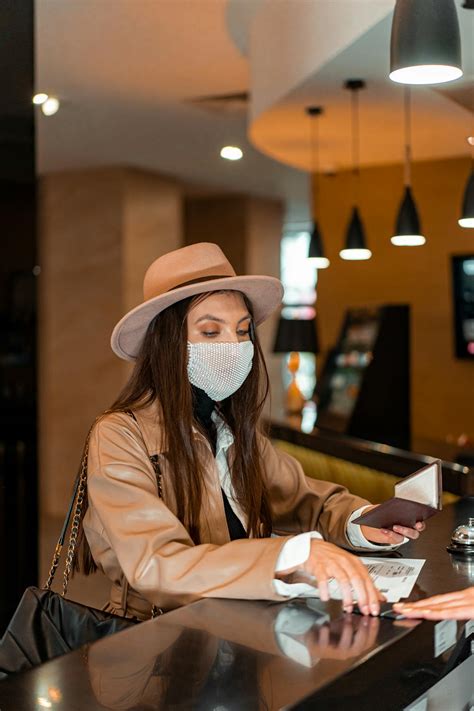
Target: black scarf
x=203 y=408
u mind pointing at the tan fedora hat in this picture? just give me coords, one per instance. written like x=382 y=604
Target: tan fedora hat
x=186 y=272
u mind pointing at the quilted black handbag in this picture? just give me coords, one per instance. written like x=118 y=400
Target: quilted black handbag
x=45 y=624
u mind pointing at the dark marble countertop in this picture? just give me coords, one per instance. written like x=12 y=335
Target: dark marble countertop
x=228 y=655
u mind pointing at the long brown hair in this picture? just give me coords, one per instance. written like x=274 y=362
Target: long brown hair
x=160 y=375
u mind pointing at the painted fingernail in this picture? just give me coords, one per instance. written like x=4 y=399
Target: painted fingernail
x=374 y=609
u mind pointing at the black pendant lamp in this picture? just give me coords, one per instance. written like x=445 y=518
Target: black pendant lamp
x=407 y=228
x=355 y=247
x=316 y=255
x=425 y=46
x=467 y=215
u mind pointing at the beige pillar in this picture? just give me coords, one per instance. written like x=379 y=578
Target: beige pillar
x=99 y=230
x=249 y=230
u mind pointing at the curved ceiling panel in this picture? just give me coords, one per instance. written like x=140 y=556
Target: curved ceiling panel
x=302 y=52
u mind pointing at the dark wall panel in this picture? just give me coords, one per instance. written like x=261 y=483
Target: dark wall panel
x=18 y=428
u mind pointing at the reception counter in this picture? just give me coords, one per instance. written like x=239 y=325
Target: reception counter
x=249 y=655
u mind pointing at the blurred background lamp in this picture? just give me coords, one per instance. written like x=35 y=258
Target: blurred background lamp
x=316 y=250
x=231 y=153
x=407 y=230
x=295 y=336
x=356 y=247
x=316 y=256
x=426 y=43
x=40 y=98
x=467 y=215
x=50 y=106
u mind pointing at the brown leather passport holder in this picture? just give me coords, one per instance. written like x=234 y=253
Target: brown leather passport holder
x=417 y=497
x=396 y=512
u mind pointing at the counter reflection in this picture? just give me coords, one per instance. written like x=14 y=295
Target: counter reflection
x=230 y=655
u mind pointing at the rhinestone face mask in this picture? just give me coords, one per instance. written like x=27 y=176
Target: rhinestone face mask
x=219 y=368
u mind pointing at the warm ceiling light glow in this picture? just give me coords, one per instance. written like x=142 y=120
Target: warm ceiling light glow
x=355 y=254
x=231 y=153
x=466 y=222
x=470 y=140
x=426 y=74
x=40 y=98
x=319 y=262
x=50 y=106
x=408 y=240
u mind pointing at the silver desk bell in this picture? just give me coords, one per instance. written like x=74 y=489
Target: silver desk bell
x=462 y=540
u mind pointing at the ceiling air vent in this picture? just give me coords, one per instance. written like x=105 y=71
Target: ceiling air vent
x=223 y=103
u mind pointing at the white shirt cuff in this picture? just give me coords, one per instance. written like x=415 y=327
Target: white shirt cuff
x=295 y=551
x=293 y=554
x=358 y=540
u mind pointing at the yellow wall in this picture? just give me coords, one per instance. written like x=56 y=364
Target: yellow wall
x=442 y=386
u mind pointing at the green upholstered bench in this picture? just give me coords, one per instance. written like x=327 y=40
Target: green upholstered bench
x=371 y=484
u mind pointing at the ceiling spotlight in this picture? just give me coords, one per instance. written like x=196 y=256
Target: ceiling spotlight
x=426 y=43
x=231 y=153
x=50 y=106
x=470 y=140
x=40 y=98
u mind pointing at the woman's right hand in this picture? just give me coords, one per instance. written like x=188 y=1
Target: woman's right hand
x=328 y=561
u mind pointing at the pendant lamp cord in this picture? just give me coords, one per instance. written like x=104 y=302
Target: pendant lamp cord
x=355 y=143
x=407 y=136
x=314 y=138
x=472 y=98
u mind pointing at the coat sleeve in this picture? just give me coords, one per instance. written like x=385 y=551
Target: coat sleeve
x=300 y=503
x=153 y=548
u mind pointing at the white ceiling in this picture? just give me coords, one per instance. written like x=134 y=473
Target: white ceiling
x=126 y=71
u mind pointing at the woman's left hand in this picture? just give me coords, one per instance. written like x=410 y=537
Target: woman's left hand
x=394 y=536
x=451 y=606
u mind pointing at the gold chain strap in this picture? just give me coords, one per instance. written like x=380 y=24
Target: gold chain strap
x=54 y=565
x=78 y=500
x=76 y=519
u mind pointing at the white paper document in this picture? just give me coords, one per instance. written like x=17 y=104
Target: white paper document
x=394 y=577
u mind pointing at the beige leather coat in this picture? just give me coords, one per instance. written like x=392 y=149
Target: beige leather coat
x=135 y=535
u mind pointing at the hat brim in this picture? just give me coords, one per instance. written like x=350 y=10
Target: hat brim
x=264 y=292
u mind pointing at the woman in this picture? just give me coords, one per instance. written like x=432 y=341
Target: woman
x=184 y=494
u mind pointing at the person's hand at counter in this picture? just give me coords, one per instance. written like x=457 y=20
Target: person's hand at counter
x=327 y=562
x=394 y=536
x=457 y=605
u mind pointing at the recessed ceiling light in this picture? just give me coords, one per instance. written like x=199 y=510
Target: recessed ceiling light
x=50 y=106
x=231 y=153
x=470 y=140
x=40 y=98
